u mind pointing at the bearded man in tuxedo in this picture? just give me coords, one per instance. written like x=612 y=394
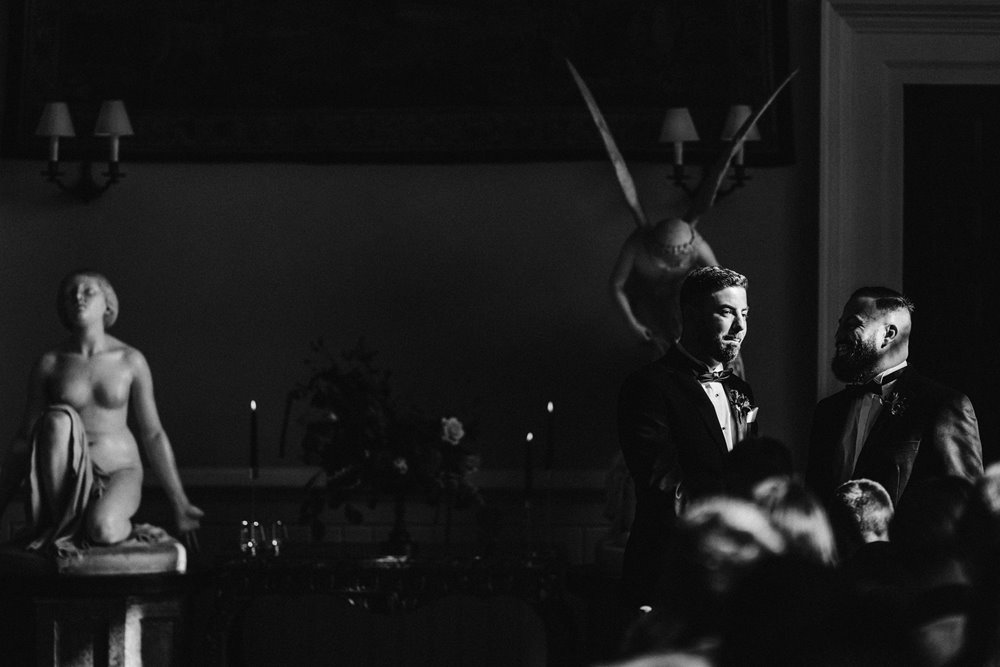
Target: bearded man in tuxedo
x=679 y=417
x=889 y=424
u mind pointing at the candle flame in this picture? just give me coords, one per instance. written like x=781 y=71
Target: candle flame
x=530 y=437
x=550 y=407
x=253 y=405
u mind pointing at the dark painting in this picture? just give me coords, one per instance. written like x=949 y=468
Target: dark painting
x=330 y=80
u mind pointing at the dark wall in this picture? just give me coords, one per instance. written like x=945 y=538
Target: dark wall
x=471 y=280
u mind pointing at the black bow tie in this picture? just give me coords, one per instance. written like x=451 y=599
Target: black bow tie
x=870 y=387
x=873 y=386
x=714 y=376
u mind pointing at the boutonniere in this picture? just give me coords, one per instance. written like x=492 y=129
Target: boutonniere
x=896 y=402
x=745 y=410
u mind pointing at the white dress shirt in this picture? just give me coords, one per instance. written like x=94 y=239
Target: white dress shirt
x=716 y=393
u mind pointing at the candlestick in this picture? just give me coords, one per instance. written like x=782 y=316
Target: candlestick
x=550 y=437
x=247 y=544
x=528 y=469
x=254 y=446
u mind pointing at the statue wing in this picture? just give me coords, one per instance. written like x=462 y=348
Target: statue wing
x=617 y=161
x=712 y=181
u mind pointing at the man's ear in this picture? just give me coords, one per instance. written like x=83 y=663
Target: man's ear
x=891 y=332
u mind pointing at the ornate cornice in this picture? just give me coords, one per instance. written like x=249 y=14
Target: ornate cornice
x=970 y=18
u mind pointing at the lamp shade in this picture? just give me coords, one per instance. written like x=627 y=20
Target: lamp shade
x=738 y=113
x=55 y=121
x=678 y=126
x=112 y=121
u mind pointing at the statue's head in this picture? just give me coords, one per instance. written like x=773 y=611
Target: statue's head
x=110 y=298
x=675 y=236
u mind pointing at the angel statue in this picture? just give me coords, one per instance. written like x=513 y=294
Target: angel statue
x=656 y=257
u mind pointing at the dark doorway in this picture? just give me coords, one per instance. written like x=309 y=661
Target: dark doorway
x=951 y=241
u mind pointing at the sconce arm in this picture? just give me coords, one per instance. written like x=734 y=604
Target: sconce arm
x=679 y=178
x=85 y=188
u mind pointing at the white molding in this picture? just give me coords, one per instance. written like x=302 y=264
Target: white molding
x=869 y=51
x=296 y=477
x=922 y=17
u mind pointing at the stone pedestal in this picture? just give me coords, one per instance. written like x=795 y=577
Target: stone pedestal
x=118 y=630
x=120 y=606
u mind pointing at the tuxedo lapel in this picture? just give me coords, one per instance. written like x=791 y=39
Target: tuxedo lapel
x=692 y=390
x=707 y=412
x=892 y=446
x=878 y=432
x=901 y=393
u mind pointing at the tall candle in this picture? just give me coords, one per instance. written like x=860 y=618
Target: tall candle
x=284 y=424
x=254 y=445
x=550 y=436
x=528 y=468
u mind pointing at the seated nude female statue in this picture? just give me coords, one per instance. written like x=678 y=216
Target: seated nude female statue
x=74 y=443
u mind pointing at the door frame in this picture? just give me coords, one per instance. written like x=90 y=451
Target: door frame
x=869 y=51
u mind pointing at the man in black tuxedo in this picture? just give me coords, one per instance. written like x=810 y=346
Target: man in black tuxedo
x=890 y=424
x=679 y=417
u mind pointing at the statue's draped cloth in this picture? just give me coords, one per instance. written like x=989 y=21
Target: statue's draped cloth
x=63 y=527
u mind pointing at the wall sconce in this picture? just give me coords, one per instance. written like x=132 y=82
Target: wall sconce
x=678 y=128
x=112 y=122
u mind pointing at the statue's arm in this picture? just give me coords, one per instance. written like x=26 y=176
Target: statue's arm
x=706 y=256
x=156 y=444
x=619 y=276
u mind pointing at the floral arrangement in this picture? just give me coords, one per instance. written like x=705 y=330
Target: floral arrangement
x=371 y=445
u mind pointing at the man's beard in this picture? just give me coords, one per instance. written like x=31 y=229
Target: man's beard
x=725 y=351
x=857 y=364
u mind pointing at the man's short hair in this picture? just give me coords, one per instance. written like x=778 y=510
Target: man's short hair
x=799 y=517
x=869 y=504
x=886 y=299
x=719 y=538
x=707 y=280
